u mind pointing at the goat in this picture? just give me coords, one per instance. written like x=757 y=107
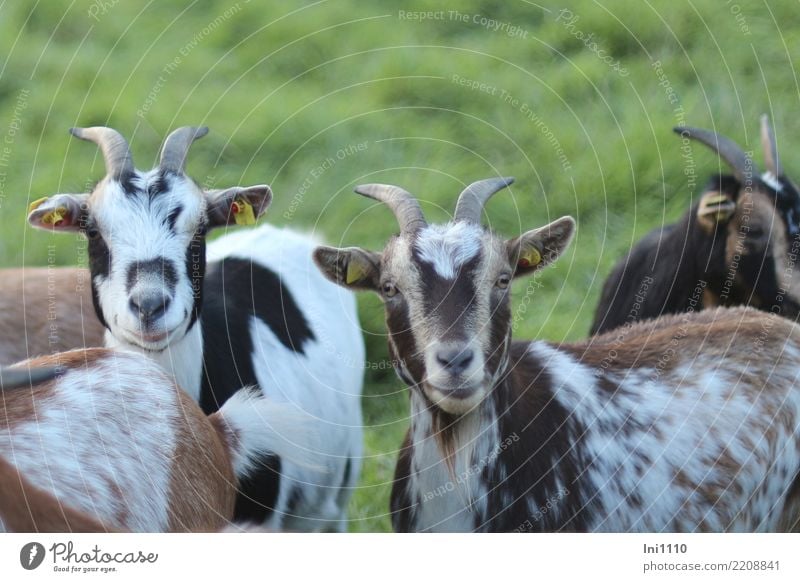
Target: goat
x=260 y=315
x=23 y=506
x=692 y=424
x=112 y=444
x=46 y=310
x=737 y=246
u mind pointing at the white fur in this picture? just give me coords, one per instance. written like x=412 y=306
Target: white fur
x=261 y=426
x=135 y=229
x=324 y=383
x=104 y=443
x=685 y=419
x=182 y=359
x=449 y=246
x=450 y=499
x=771 y=181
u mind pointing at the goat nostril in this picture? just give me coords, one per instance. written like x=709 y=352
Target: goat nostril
x=149 y=307
x=455 y=360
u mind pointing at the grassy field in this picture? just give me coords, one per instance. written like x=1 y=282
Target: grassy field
x=578 y=103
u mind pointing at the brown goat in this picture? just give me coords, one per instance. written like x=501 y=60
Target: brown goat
x=113 y=444
x=46 y=310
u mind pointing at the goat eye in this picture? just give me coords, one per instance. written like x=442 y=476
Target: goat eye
x=92 y=233
x=389 y=289
x=503 y=281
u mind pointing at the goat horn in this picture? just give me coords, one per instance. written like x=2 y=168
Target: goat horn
x=743 y=169
x=116 y=152
x=17 y=377
x=472 y=200
x=770 y=147
x=176 y=147
x=405 y=207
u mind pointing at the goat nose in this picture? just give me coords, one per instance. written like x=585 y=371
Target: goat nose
x=455 y=360
x=149 y=307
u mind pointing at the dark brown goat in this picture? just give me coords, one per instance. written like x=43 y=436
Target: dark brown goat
x=736 y=246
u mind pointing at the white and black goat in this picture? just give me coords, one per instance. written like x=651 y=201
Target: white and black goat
x=103 y=440
x=737 y=246
x=262 y=315
x=689 y=424
x=44 y=310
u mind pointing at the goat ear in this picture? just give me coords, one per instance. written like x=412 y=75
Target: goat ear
x=62 y=212
x=237 y=205
x=716 y=207
x=538 y=248
x=353 y=267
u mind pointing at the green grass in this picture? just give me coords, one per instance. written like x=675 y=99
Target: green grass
x=285 y=86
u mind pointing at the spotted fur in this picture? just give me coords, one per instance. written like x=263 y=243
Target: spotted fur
x=687 y=423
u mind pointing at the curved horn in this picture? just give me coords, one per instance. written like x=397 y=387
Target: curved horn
x=176 y=146
x=725 y=148
x=405 y=207
x=16 y=377
x=116 y=152
x=770 y=147
x=472 y=200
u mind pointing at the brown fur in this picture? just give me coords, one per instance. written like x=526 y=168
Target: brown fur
x=26 y=508
x=19 y=405
x=643 y=344
x=203 y=486
x=46 y=310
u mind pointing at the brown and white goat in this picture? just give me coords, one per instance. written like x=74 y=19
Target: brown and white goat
x=113 y=444
x=691 y=423
x=737 y=246
x=23 y=506
x=44 y=310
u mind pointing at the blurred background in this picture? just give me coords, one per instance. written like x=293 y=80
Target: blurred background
x=576 y=101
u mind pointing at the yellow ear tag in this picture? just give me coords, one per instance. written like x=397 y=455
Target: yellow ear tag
x=355 y=272
x=36 y=204
x=243 y=212
x=54 y=217
x=717 y=199
x=530 y=258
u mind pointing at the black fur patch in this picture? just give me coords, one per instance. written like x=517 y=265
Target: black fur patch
x=244 y=289
x=539 y=460
x=99 y=266
x=258 y=492
x=788 y=204
x=661 y=274
x=450 y=300
x=401 y=505
x=128 y=183
x=402 y=345
x=162 y=183
x=173 y=217
x=236 y=290
x=195 y=263
x=160 y=267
